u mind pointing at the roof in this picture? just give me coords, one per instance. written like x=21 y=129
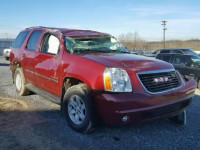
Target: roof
x=174 y=49
x=175 y=54
x=72 y=32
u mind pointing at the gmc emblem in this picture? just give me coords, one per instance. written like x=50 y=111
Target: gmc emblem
x=161 y=79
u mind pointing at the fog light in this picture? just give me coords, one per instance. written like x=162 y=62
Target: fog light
x=125 y=118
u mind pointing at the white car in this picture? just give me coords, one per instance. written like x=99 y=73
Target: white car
x=6 y=53
x=198 y=52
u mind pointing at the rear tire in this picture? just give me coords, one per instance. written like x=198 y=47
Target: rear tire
x=78 y=110
x=19 y=81
x=180 y=118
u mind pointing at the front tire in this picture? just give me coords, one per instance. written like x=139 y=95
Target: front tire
x=19 y=81
x=78 y=110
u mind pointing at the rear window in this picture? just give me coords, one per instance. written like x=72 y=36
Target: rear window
x=20 y=39
x=33 y=41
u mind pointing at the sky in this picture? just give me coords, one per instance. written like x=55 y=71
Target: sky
x=114 y=17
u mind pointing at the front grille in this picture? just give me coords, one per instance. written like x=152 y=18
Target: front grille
x=160 y=82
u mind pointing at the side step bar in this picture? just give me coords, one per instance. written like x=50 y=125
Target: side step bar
x=44 y=94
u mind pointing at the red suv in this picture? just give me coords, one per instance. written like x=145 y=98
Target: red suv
x=94 y=78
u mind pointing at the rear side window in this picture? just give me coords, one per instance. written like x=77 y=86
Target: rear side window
x=20 y=39
x=177 y=51
x=33 y=41
x=166 y=58
x=165 y=51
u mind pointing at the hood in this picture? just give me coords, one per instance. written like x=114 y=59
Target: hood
x=129 y=62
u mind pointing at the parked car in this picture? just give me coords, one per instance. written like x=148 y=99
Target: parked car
x=140 y=52
x=198 y=52
x=6 y=53
x=94 y=78
x=187 y=65
x=133 y=52
x=177 y=51
x=150 y=54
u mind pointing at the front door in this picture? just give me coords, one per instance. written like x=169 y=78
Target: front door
x=184 y=65
x=48 y=64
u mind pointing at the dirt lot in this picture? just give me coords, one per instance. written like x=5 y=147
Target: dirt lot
x=32 y=122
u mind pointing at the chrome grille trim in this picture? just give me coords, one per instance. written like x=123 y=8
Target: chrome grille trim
x=159 y=71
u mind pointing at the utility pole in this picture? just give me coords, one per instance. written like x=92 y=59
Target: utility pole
x=135 y=39
x=164 y=23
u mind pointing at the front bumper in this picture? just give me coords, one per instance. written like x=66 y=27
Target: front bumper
x=140 y=105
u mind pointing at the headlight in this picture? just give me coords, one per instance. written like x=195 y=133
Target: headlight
x=116 y=80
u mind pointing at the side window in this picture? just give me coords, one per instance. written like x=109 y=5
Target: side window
x=189 y=62
x=165 y=51
x=51 y=44
x=159 y=56
x=166 y=58
x=180 y=60
x=33 y=41
x=20 y=39
x=177 y=51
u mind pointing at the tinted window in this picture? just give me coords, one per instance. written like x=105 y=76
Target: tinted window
x=165 y=51
x=181 y=60
x=20 y=39
x=189 y=51
x=159 y=56
x=177 y=51
x=166 y=58
x=33 y=41
x=51 y=45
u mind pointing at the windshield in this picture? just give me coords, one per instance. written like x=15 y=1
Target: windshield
x=94 y=44
x=190 y=52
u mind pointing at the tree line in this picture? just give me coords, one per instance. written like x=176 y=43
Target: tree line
x=134 y=42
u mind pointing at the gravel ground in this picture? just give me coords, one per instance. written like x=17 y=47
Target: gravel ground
x=32 y=122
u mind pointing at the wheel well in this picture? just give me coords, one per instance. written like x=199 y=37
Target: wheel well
x=15 y=66
x=68 y=82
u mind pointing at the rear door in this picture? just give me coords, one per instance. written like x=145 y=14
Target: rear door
x=47 y=68
x=29 y=55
